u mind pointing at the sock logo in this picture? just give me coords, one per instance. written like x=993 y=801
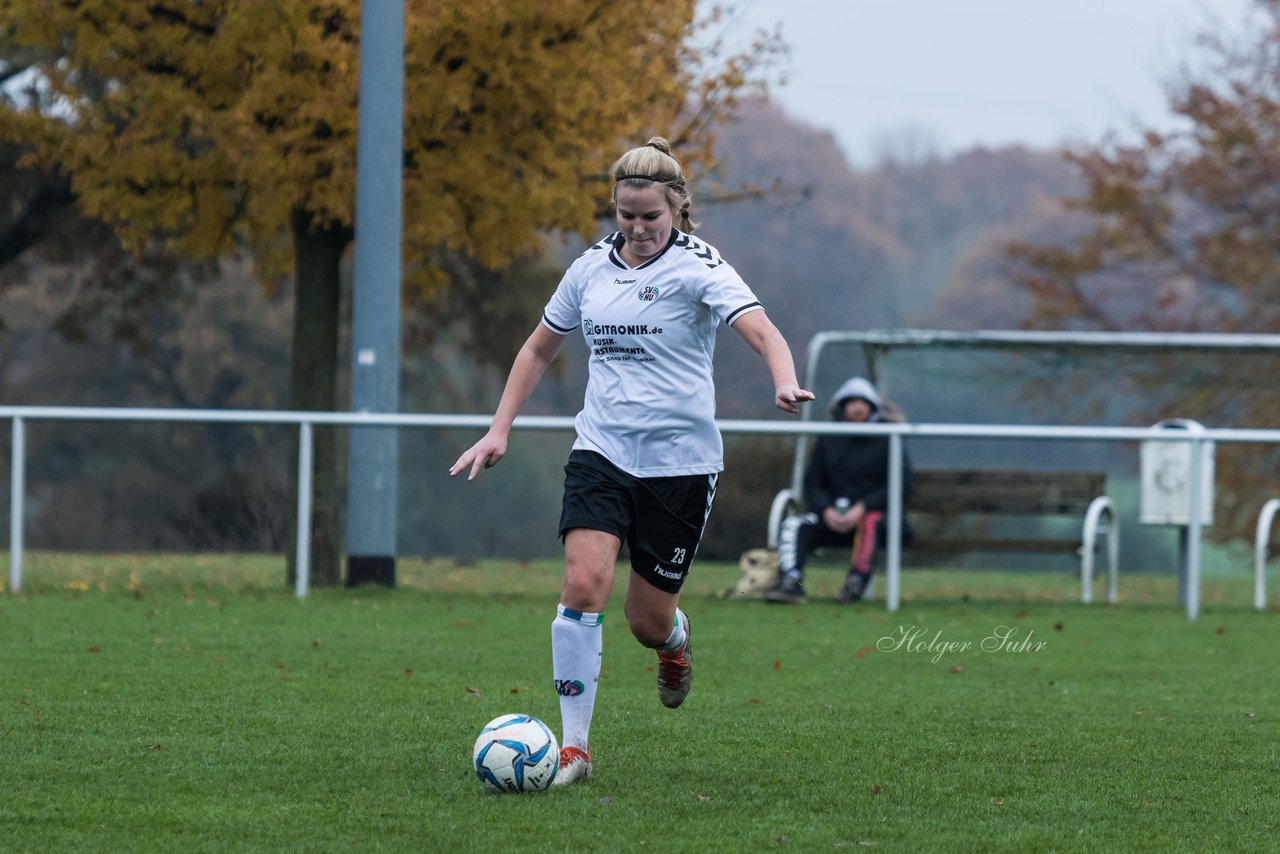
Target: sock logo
x=569 y=687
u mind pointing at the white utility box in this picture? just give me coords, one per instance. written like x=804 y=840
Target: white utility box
x=1166 y=477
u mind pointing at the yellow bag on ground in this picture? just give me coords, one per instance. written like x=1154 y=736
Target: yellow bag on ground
x=759 y=570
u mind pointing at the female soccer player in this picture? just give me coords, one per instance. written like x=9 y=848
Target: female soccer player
x=643 y=468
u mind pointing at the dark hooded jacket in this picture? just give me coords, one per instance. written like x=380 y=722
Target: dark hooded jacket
x=852 y=467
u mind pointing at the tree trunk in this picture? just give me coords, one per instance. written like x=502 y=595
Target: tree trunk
x=313 y=380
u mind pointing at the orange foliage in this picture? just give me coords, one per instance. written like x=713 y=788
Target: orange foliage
x=207 y=122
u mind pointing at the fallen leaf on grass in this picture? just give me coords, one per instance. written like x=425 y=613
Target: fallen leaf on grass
x=704 y=797
x=875 y=790
x=1250 y=714
x=956 y=668
x=1220 y=630
x=999 y=802
x=605 y=800
x=95 y=649
x=754 y=701
x=1057 y=627
x=156 y=746
x=474 y=692
x=777 y=665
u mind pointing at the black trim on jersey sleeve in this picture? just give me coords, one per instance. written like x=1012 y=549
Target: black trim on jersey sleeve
x=707 y=254
x=728 y=321
x=603 y=243
x=560 y=329
x=607 y=243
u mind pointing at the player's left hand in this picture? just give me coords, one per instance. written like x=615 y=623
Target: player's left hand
x=483 y=454
x=787 y=398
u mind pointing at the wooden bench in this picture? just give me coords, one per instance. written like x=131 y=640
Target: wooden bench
x=951 y=495
x=963 y=492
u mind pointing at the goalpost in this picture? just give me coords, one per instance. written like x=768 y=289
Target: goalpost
x=877 y=344
x=1169 y=370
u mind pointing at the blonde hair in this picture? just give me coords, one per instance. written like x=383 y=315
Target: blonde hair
x=653 y=163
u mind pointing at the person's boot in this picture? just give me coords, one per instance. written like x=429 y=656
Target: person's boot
x=675 y=671
x=855 y=585
x=787 y=590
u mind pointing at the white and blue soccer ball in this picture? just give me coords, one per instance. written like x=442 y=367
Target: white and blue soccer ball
x=516 y=753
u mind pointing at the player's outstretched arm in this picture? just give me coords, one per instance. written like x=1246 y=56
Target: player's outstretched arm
x=531 y=363
x=763 y=337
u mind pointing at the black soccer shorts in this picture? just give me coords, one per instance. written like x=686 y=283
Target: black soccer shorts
x=661 y=519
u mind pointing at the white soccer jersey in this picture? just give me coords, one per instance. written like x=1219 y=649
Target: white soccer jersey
x=650 y=403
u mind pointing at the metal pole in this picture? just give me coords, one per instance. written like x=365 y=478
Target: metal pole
x=17 y=476
x=1194 y=492
x=893 y=558
x=375 y=326
x=1261 y=542
x=1184 y=557
x=302 y=555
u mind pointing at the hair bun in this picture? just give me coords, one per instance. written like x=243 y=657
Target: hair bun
x=660 y=143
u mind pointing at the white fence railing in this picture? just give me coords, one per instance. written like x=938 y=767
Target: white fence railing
x=20 y=416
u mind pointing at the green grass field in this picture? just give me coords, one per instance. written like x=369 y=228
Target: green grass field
x=194 y=704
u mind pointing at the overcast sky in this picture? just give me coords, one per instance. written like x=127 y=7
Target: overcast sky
x=962 y=73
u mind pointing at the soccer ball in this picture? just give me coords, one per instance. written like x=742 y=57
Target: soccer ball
x=516 y=753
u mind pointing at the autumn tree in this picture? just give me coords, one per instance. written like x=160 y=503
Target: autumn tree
x=1178 y=231
x=204 y=126
x=39 y=225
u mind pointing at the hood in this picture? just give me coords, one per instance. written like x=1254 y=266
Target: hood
x=855 y=387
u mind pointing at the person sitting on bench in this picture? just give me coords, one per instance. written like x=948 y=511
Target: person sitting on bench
x=846 y=491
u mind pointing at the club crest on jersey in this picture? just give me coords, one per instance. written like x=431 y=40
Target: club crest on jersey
x=648 y=293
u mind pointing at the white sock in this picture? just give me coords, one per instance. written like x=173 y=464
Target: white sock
x=677 y=637
x=577 y=646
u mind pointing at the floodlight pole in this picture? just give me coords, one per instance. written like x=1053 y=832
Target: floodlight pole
x=375 y=332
